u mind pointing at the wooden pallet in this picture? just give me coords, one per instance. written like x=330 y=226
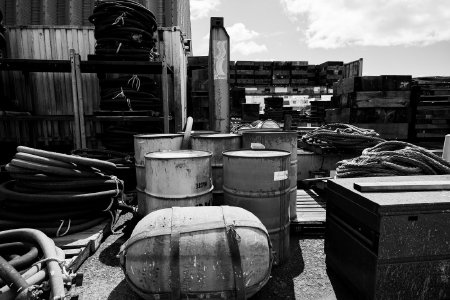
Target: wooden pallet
x=311 y=214
x=79 y=246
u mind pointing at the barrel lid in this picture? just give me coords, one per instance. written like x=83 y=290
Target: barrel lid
x=262 y=131
x=200 y=132
x=216 y=136
x=157 y=136
x=178 y=154
x=250 y=153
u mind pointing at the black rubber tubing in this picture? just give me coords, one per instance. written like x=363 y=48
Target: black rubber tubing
x=43 y=160
x=100 y=184
x=5 y=189
x=46 y=169
x=69 y=158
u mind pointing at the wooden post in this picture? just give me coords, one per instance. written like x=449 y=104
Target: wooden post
x=219 y=60
x=76 y=119
x=80 y=101
x=179 y=79
x=165 y=96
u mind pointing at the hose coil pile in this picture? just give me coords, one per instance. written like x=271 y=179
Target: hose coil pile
x=56 y=193
x=123 y=27
x=393 y=158
x=342 y=136
x=27 y=259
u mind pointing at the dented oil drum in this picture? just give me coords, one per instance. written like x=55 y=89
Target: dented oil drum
x=145 y=143
x=216 y=144
x=283 y=140
x=216 y=252
x=177 y=178
x=257 y=180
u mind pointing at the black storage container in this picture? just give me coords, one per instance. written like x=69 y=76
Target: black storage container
x=389 y=245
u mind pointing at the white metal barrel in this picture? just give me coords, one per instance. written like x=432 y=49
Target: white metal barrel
x=257 y=180
x=178 y=178
x=282 y=140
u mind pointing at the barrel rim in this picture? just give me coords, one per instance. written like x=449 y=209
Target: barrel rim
x=149 y=136
x=269 y=132
x=226 y=153
x=216 y=136
x=148 y=155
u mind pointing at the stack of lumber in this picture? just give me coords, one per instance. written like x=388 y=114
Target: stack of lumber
x=381 y=103
x=263 y=72
x=299 y=73
x=232 y=72
x=245 y=72
x=431 y=100
x=330 y=72
x=281 y=73
x=318 y=110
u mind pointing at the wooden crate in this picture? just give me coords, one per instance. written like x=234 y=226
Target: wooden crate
x=79 y=246
x=311 y=209
x=389 y=245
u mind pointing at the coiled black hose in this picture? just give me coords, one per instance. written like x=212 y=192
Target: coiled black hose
x=58 y=193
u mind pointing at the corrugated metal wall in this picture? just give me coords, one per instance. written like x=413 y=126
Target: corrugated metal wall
x=76 y=12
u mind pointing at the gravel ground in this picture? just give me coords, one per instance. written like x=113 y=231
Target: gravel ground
x=304 y=276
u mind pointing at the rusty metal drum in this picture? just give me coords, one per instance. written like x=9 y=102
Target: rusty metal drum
x=283 y=140
x=216 y=252
x=177 y=178
x=258 y=181
x=216 y=144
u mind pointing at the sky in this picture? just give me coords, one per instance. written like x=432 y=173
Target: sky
x=402 y=37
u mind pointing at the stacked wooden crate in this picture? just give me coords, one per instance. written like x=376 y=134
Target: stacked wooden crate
x=381 y=103
x=245 y=72
x=299 y=73
x=232 y=73
x=431 y=102
x=330 y=72
x=318 y=110
x=312 y=75
x=263 y=72
x=281 y=73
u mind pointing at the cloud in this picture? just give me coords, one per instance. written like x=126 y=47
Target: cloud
x=247 y=48
x=202 y=8
x=340 y=23
x=241 y=40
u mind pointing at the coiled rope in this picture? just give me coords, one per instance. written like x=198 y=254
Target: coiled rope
x=393 y=158
x=342 y=136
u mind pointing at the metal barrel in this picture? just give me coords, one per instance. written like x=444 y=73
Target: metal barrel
x=216 y=144
x=196 y=133
x=178 y=178
x=257 y=180
x=282 y=140
x=145 y=143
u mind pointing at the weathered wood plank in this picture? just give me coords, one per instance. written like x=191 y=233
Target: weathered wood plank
x=402 y=186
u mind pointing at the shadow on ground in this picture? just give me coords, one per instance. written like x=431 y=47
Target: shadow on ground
x=122 y=292
x=108 y=256
x=281 y=283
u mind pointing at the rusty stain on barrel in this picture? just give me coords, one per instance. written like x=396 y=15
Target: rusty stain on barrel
x=217 y=144
x=283 y=140
x=145 y=143
x=257 y=180
x=178 y=178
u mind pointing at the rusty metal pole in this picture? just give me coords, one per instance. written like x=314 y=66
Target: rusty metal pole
x=219 y=59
